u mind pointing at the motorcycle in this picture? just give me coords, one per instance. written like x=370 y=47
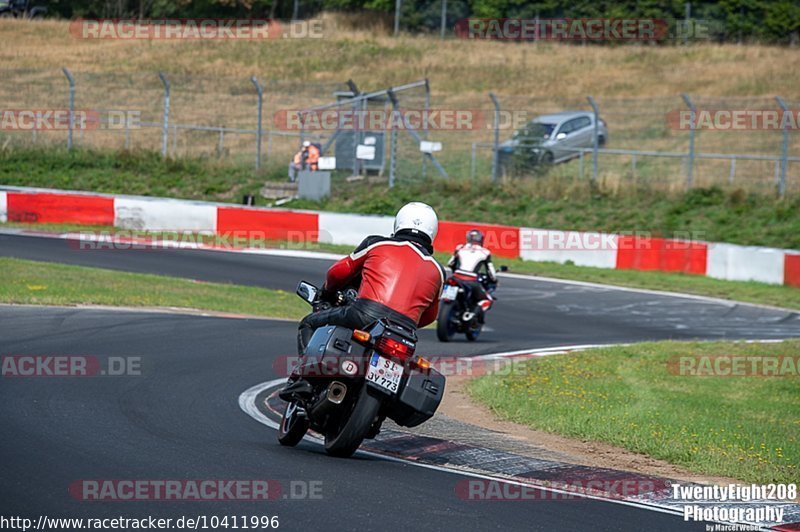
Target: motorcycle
x=457 y=312
x=349 y=381
x=21 y=9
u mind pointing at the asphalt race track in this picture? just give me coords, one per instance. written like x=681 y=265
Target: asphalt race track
x=180 y=418
x=528 y=314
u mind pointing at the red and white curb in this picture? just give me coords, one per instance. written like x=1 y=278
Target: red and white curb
x=600 y=250
x=431 y=453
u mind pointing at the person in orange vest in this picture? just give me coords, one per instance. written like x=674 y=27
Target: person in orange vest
x=298 y=162
x=312 y=159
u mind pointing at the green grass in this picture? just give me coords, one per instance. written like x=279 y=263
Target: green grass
x=746 y=291
x=709 y=214
x=41 y=283
x=131 y=172
x=741 y=427
x=552 y=202
x=750 y=292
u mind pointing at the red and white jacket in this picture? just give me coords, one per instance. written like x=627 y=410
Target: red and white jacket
x=397 y=272
x=469 y=259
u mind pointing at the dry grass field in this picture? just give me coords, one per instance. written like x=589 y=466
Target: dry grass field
x=635 y=86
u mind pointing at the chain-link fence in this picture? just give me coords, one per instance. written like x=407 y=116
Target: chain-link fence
x=671 y=142
x=661 y=142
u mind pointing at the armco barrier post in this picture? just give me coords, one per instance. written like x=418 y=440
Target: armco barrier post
x=784 y=148
x=165 y=123
x=596 y=135
x=357 y=135
x=496 y=140
x=259 y=131
x=425 y=123
x=393 y=150
x=693 y=127
x=71 y=81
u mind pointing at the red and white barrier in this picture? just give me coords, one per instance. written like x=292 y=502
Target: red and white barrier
x=599 y=250
x=3 y=207
x=164 y=215
x=59 y=207
x=502 y=240
x=791 y=269
x=746 y=263
x=350 y=229
x=661 y=254
x=271 y=224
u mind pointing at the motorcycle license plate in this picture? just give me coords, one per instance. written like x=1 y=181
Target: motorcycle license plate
x=384 y=373
x=450 y=292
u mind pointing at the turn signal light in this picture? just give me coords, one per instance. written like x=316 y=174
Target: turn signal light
x=361 y=336
x=422 y=363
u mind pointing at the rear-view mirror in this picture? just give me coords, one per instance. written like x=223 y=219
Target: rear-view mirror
x=307 y=291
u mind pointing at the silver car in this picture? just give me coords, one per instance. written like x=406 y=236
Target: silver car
x=553 y=138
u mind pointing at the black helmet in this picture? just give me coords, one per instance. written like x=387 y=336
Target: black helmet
x=475 y=237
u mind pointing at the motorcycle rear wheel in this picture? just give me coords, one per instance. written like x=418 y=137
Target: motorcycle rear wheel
x=474 y=333
x=343 y=440
x=444 y=322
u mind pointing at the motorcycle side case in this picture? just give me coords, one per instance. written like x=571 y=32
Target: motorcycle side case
x=326 y=347
x=419 y=398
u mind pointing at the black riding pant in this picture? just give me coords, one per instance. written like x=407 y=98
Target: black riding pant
x=358 y=315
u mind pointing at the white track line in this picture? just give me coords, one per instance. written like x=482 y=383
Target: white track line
x=247 y=402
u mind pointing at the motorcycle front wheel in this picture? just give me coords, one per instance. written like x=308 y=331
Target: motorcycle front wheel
x=294 y=425
x=344 y=438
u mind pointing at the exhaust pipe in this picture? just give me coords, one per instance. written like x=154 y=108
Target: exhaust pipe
x=336 y=392
x=332 y=397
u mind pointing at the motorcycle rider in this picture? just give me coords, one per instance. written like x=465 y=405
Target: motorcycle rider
x=399 y=278
x=467 y=263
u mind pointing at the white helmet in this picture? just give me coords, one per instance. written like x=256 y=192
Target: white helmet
x=306 y=143
x=419 y=217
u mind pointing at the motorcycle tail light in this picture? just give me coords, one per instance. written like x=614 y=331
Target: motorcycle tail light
x=452 y=281
x=393 y=348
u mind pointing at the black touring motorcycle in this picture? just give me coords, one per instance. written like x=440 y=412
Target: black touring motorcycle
x=457 y=308
x=349 y=381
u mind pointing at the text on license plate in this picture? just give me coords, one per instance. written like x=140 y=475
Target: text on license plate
x=384 y=373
